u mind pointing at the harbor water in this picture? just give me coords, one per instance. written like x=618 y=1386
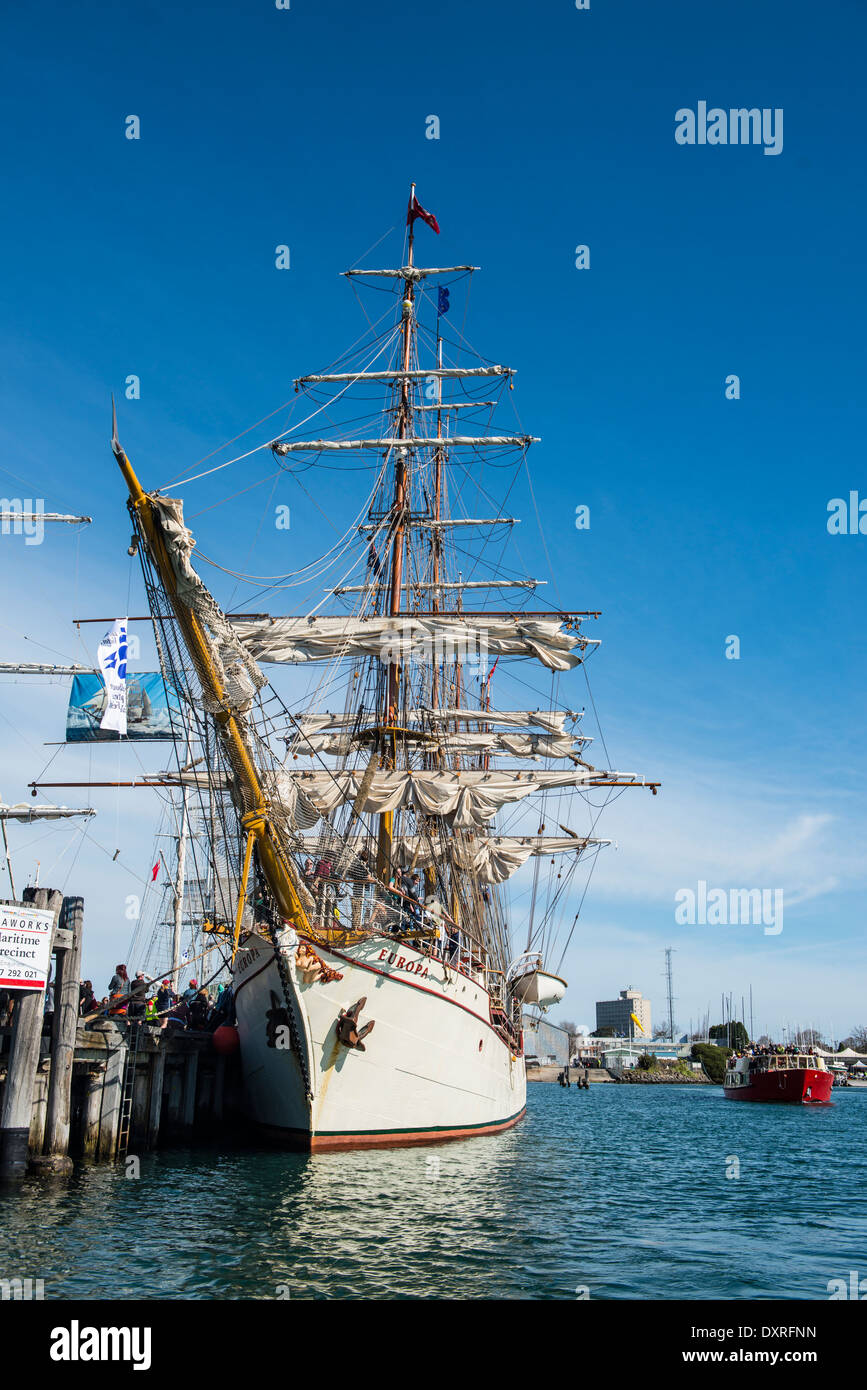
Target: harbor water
x=620 y=1192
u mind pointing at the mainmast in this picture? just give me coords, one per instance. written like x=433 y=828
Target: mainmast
x=399 y=511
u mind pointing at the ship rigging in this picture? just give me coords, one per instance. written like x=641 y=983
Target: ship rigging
x=369 y=849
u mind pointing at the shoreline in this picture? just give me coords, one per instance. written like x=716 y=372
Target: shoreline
x=628 y=1077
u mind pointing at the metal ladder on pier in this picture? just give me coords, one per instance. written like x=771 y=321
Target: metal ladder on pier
x=128 y=1091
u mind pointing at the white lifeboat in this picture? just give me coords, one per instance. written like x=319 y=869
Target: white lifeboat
x=533 y=985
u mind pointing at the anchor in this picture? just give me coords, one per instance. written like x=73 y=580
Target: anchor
x=348 y=1031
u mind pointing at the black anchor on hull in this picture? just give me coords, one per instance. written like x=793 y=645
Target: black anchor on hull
x=348 y=1031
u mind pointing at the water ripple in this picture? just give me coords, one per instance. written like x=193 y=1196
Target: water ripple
x=619 y=1190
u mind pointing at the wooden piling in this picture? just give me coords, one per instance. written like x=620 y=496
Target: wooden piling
x=92 y=1110
x=40 y=1104
x=66 y=997
x=112 y=1095
x=174 y=1095
x=17 y=1111
x=219 y=1088
x=158 y=1072
x=191 y=1071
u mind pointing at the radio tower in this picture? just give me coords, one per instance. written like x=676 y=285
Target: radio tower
x=670 y=992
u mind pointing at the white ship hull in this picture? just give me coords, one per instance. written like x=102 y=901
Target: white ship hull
x=433 y=1067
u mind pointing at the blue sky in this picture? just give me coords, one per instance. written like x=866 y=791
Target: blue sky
x=304 y=127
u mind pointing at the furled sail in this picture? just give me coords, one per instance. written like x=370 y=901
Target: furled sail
x=412 y=374
x=464 y=799
x=239 y=675
x=454 y=441
x=553 y=721
x=505 y=743
x=24 y=812
x=295 y=640
x=489 y=859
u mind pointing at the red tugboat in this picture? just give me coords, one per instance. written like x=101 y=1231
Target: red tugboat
x=800 y=1078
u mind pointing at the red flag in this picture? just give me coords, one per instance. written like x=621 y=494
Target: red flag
x=154 y=871
x=415 y=210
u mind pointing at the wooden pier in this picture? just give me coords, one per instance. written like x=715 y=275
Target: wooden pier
x=104 y=1090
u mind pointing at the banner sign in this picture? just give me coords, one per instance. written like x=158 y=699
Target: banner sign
x=25 y=946
x=111 y=655
x=149 y=710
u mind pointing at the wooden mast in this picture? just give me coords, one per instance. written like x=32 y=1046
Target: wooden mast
x=401 y=472
x=430 y=877
x=436 y=535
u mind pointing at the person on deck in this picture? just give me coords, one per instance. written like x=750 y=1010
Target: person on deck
x=322 y=876
x=433 y=919
x=137 y=1007
x=224 y=1009
x=86 y=998
x=190 y=992
x=359 y=876
x=165 y=998
x=199 y=1010
x=414 y=894
x=179 y=1017
x=119 y=982
x=395 y=905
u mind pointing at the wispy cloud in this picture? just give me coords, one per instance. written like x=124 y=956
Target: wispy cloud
x=730 y=834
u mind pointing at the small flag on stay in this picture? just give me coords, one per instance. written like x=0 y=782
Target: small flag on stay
x=154 y=871
x=442 y=301
x=415 y=210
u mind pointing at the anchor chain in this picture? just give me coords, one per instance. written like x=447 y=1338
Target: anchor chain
x=264 y=905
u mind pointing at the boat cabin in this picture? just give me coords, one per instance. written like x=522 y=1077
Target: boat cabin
x=740 y=1069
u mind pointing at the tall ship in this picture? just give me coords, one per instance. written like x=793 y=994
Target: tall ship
x=799 y=1078
x=365 y=835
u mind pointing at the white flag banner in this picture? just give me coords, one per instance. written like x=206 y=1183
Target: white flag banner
x=111 y=654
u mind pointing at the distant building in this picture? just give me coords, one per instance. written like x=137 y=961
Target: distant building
x=545 y=1041
x=615 y=1013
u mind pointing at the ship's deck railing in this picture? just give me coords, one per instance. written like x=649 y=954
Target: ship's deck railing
x=366 y=908
x=350 y=910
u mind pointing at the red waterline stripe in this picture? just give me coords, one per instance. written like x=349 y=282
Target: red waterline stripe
x=340 y=1139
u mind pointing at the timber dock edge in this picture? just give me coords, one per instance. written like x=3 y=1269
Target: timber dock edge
x=61 y=1094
